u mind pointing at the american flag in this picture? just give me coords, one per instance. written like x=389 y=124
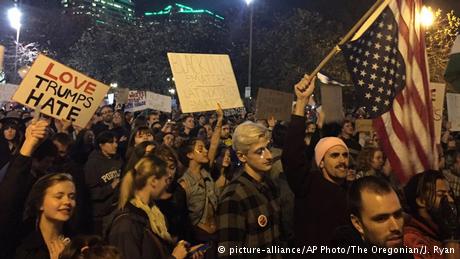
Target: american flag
x=388 y=67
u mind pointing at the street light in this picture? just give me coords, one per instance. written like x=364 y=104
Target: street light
x=251 y=14
x=114 y=85
x=14 y=15
x=426 y=16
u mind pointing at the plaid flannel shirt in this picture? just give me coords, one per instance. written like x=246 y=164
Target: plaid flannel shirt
x=454 y=181
x=249 y=216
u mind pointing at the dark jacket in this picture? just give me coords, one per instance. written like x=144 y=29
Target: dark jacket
x=14 y=190
x=320 y=205
x=33 y=247
x=100 y=172
x=131 y=233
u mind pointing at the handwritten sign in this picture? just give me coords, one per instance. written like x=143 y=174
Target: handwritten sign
x=2 y=52
x=274 y=103
x=137 y=101
x=159 y=102
x=453 y=108
x=60 y=91
x=7 y=91
x=203 y=80
x=121 y=95
x=437 y=91
x=234 y=111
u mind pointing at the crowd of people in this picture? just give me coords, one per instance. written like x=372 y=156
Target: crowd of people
x=155 y=185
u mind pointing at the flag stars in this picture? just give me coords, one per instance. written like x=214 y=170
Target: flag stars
x=377 y=45
x=389 y=38
x=390 y=27
x=376 y=56
x=375 y=66
x=367 y=53
x=378 y=99
x=375 y=109
x=380 y=90
x=368 y=95
x=363 y=73
x=373 y=76
x=383 y=80
x=385 y=69
x=360 y=82
x=393 y=61
x=390 y=82
x=379 y=35
x=369 y=43
x=388 y=92
x=386 y=59
x=392 y=71
x=387 y=48
x=386 y=102
x=381 y=24
x=371 y=86
x=365 y=63
x=355 y=69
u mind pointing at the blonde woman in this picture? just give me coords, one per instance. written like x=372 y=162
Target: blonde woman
x=139 y=229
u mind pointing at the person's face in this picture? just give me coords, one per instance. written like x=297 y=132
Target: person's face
x=258 y=157
x=226 y=161
x=202 y=120
x=117 y=118
x=351 y=174
x=442 y=189
x=109 y=148
x=311 y=128
x=168 y=140
x=225 y=132
x=335 y=163
x=128 y=116
x=189 y=123
x=59 y=202
x=89 y=137
x=153 y=118
x=107 y=114
x=377 y=160
x=63 y=150
x=208 y=130
x=199 y=153
x=381 y=221
x=158 y=185
x=171 y=168
x=142 y=136
x=42 y=165
x=348 y=128
x=9 y=133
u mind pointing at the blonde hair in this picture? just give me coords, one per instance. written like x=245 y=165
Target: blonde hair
x=247 y=134
x=136 y=178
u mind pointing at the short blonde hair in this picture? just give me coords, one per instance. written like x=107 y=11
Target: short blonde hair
x=247 y=134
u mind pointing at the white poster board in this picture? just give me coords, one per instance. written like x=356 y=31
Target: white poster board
x=203 y=80
x=437 y=91
x=331 y=101
x=60 y=91
x=7 y=91
x=159 y=102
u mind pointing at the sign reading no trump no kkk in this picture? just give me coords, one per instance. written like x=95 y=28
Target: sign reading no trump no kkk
x=60 y=91
x=203 y=80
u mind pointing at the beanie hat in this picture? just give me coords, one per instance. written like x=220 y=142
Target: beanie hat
x=324 y=145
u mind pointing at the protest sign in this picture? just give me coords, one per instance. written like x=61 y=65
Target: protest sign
x=331 y=100
x=363 y=125
x=7 y=91
x=2 y=52
x=437 y=91
x=203 y=80
x=234 y=111
x=274 y=103
x=453 y=110
x=60 y=91
x=159 y=102
x=137 y=101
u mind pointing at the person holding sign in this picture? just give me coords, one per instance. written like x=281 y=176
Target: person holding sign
x=200 y=188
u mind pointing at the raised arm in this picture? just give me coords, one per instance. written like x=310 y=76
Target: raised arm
x=215 y=136
x=294 y=156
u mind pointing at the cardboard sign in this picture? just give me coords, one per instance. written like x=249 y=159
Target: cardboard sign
x=137 y=101
x=437 y=91
x=203 y=80
x=331 y=100
x=159 y=102
x=453 y=110
x=2 y=53
x=7 y=91
x=235 y=111
x=363 y=125
x=121 y=95
x=60 y=91
x=274 y=103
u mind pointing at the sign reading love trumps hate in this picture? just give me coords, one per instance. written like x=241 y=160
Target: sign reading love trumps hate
x=60 y=91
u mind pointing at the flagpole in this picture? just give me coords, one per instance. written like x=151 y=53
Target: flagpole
x=348 y=36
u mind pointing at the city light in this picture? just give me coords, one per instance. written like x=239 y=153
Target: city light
x=248 y=2
x=426 y=16
x=114 y=85
x=172 y=91
x=14 y=16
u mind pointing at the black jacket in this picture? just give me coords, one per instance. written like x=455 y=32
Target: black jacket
x=320 y=205
x=33 y=247
x=131 y=233
x=100 y=172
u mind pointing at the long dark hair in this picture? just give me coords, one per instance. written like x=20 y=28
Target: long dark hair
x=89 y=247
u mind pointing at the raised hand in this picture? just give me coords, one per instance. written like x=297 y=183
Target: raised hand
x=304 y=88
